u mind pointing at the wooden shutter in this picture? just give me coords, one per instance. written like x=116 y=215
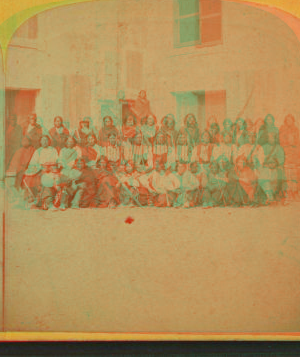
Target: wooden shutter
x=211 y=21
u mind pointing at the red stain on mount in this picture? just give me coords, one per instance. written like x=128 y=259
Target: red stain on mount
x=129 y=220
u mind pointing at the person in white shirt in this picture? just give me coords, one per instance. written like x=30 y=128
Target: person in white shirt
x=44 y=154
x=68 y=155
x=162 y=185
x=42 y=158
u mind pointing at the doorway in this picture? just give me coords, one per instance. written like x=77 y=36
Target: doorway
x=203 y=104
x=20 y=102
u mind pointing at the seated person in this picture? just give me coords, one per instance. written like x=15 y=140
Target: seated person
x=107 y=191
x=253 y=152
x=68 y=155
x=195 y=192
x=215 y=189
x=242 y=183
x=162 y=185
x=81 y=187
x=51 y=186
x=128 y=185
x=42 y=156
x=189 y=193
x=92 y=151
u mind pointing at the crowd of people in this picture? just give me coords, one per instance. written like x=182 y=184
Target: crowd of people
x=146 y=163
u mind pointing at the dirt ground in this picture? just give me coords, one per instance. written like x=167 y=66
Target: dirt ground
x=170 y=270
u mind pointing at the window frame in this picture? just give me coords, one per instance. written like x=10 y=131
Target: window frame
x=197 y=43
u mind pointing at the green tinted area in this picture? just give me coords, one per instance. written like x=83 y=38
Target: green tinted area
x=187 y=7
x=189 y=29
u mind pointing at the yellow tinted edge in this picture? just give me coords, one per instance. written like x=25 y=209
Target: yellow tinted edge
x=12 y=15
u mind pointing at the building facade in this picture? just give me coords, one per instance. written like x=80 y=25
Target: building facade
x=208 y=57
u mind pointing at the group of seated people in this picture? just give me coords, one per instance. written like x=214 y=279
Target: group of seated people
x=245 y=164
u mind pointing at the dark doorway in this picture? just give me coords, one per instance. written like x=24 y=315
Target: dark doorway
x=20 y=102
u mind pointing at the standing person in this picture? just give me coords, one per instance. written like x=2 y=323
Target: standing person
x=289 y=141
x=33 y=131
x=192 y=130
x=168 y=129
x=265 y=129
x=160 y=148
x=149 y=129
x=19 y=163
x=113 y=152
x=211 y=120
x=141 y=106
x=129 y=131
x=59 y=134
x=107 y=129
x=204 y=151
x=129 y=128
x=13 y=137
x=184 y=152
x=250 y=126
x=81 y=134
x=240 y=134
x=141 y=152
x=258 y=124
x=214 y=132
x=170 y=133
x=227 y=127
x=271 y=175
x=226 y=149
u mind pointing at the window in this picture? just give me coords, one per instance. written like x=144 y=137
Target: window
x=29 y=29
x=197 y=22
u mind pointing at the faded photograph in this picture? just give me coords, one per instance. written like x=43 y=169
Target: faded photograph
x=152 y=169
